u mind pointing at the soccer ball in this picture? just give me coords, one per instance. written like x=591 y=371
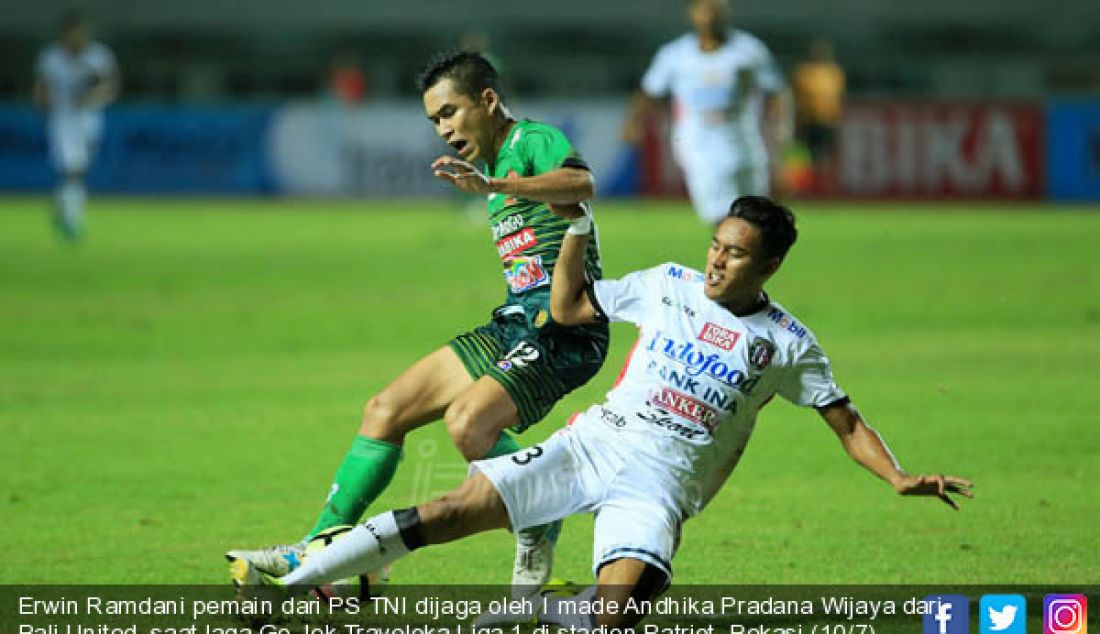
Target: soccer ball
x=362 y=586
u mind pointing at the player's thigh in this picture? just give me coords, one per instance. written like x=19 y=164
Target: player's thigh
x=538 y=484
x=477 y=416
x=419 y=395
x=68 y=146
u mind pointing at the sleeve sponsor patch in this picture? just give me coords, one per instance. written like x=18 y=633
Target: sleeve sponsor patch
x=681 y=273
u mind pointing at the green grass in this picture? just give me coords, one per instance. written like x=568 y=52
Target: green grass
x=188 y=378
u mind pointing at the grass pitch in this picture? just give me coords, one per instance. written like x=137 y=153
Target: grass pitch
x=187 y=380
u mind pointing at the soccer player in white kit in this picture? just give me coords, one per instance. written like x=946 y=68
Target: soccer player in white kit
x=713 y=350
x=730 y=109
x=76 y=78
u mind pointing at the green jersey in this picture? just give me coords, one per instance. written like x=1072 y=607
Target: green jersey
x=528 y=235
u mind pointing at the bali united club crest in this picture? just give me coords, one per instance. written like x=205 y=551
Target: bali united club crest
x=761 y=352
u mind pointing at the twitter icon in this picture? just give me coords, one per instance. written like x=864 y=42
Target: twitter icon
x=1002 y=614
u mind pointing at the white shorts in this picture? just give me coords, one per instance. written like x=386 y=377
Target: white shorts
x=74 y=138
x=580 y=469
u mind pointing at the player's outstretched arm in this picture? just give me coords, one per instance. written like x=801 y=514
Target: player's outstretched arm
x=562 y=186
x=633 y=127
x=569 y=303
x=867 y=448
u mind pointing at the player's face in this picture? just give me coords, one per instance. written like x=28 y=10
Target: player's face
x=736 y=264
x=463 y=122
x=708 y=16
x=76 y=37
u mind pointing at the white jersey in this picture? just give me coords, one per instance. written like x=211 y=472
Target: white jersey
x=74 y=128
x=69 y=77
x=716 y=97
x=689 y=394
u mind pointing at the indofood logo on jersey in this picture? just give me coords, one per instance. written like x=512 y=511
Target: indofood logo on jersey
x=699 y=363
x=523 y=274
x=516 y=243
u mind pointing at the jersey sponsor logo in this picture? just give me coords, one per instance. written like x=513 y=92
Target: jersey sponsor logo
x=611 y=418
x=716 y=335
x=523 y=274
x=672 y=303
x=698 y=363
x=680 y=273
x=719 y=397
x=761 y=352
x=784 y=321
x=508 y=225
x=660 y=418
x=516 y=243
x=685 y=407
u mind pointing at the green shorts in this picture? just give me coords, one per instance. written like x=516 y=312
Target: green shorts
x=535 y=360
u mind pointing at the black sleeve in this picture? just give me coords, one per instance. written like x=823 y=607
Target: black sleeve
x=590 y=290
x=840 y=401
x=576 y=162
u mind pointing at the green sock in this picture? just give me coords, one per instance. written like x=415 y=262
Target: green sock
x=366 y=471
x=506 y=444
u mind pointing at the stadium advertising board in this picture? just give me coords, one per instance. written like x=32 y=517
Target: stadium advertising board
x=941 y=151
x=385 y=148
x=907 y=150
x=149 y=149
x=1073 y=142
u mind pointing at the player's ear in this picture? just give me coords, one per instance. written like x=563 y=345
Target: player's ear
x=491 y=100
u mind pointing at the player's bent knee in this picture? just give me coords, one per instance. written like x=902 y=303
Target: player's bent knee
x=472 y=440
x=381 y=419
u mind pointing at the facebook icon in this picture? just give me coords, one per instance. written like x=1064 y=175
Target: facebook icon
x=946 y=614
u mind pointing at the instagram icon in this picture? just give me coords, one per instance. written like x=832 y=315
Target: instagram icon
x=1065 y=614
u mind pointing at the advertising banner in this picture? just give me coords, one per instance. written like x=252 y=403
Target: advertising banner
x=386 y=148
x=148 y=149
x=914 y=150
x=1073 y=150
x=906 y=150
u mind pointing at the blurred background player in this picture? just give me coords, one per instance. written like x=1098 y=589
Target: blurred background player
x=818 y=85
x=509 y=373
x=730 y=112
x=76 y=79
x=658 y=449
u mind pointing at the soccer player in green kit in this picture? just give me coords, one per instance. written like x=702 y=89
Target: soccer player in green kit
x=508 y=373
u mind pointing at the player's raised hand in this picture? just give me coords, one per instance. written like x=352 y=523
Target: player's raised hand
x=937 y=485
x=462 y=175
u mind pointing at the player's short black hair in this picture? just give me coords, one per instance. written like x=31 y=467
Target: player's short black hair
x=470 y=71
x=776 y=223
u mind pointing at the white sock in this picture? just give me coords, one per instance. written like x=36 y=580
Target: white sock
x=70 y=200
x=366 y=548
